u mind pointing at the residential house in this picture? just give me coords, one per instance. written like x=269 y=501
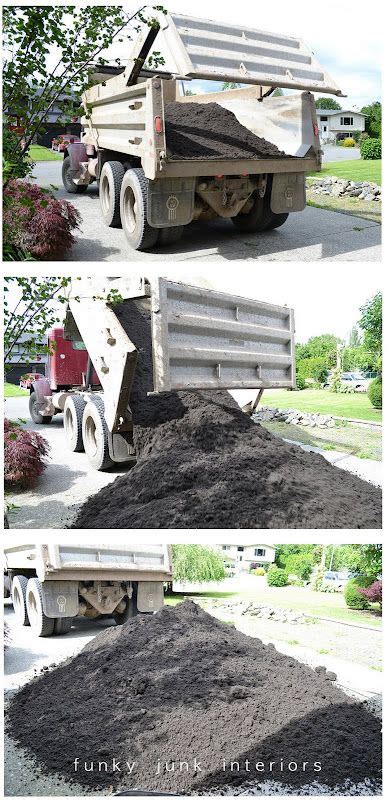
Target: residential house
x=18 y=363
x=243 y=557
x=336 y=125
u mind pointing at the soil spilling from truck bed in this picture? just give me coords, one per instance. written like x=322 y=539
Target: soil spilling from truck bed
x=209 y=131
x=180 y=686
x=203 y=463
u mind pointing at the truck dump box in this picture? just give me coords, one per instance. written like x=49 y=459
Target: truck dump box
x=201 y=339
x=57 y=562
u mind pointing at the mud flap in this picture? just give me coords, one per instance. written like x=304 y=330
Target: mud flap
x=288 y=192
x=121 y=446
x=60 y=598
x=170 y=202
x=150 y=596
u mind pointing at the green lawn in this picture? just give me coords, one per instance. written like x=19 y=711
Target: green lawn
x=357 y=170
x=366 y=209
x=10 y=390
x=354 y=406
x=297 y=598
x=38 y=153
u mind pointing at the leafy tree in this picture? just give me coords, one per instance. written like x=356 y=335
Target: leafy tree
x=278 y=92
x=327 y=102
x=32 y=311
x=324 y=345
x=335 y=379
x=371 y=323
x=300 y=564
x=194 y=563
x=358 y=358
x=373 y=121
x=373 y=593
x=78 y=35
x=283 y=553
x=230 y=85
x=315 y=368
x=354 y=337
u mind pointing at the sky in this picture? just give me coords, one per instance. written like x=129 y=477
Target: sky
x=347 y=43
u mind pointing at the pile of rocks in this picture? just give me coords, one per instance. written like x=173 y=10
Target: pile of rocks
x=339 y=187
x=244 y=607
x=293 y=417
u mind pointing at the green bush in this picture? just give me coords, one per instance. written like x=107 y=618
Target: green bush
x=300 y=564
x=348 y=142
x=15 y=164
x=277 y=577
x=313 y=367
x=353 y=598
x=356 y=136
x=258 y=571
x=370 y=149
x=300 y=382
x=375 y=392
x=295 y=581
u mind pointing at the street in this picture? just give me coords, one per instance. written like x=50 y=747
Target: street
x=311 y=235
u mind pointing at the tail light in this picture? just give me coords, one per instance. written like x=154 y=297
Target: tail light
x=158 y=125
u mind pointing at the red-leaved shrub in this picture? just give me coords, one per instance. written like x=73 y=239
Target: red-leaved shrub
x=24 y=454
x=35 y=223
x=374 y=592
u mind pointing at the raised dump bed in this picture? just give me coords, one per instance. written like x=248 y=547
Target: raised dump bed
x=163 y=160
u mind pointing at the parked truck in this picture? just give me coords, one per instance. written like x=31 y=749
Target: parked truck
x=201 y=339
x=151 y=193
x=52 y=584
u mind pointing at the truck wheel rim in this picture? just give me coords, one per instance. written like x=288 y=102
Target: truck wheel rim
x=17 y=602
x=90 y=436
x=35 y=408
x=130 y=208
x=68 y=422
x=105 y=194
x=33 y=614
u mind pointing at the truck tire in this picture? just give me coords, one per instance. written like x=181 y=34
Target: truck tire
x=67 y=179
x=133 y=210
x=62 y=625
x=18 y=592
x=95 y=435
x=130 y=611
x=40 y=624
x=35 y=414
x=169 y=236
x=72 y=422
x=260 y=218
x=111 y=178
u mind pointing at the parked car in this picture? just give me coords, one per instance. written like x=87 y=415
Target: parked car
x=335 y=579
x=355 y=380
x=60 y=143
x=27 y=380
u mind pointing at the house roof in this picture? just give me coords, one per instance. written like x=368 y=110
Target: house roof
x=328 y=112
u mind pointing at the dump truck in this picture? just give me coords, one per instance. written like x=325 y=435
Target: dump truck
x=200 y=338
x=52 y=584
x=153 y=193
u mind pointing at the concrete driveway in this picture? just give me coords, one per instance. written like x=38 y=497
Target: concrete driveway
x=312 y=235
x=66 y=483
x=333 y=153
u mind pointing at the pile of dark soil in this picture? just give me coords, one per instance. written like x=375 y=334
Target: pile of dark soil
x=202 y=463
x=180 y=686
x=207 y=130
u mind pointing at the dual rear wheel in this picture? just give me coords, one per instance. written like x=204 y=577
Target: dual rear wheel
x=123 y=201
x=86 y=429
x=28 y=606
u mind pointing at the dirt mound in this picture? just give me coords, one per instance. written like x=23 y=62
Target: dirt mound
x=202 y=463
x=206 y=131
x=180 y=686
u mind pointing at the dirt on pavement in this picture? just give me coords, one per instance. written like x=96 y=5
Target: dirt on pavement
x=178 y=686
x=207 y=130
x=203 y=463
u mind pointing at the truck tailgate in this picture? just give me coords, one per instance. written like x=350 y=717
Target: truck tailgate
x=204 y=339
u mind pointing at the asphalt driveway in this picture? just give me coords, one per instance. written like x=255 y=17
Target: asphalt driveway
x=312 y=235
x=66 y=484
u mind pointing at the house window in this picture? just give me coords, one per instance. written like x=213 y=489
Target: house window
x=323 y=119
x=259 y=551
x=226 y=547
x=346 y=120
x=240 y=549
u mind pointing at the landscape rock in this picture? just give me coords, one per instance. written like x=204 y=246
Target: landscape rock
x=338 y=187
